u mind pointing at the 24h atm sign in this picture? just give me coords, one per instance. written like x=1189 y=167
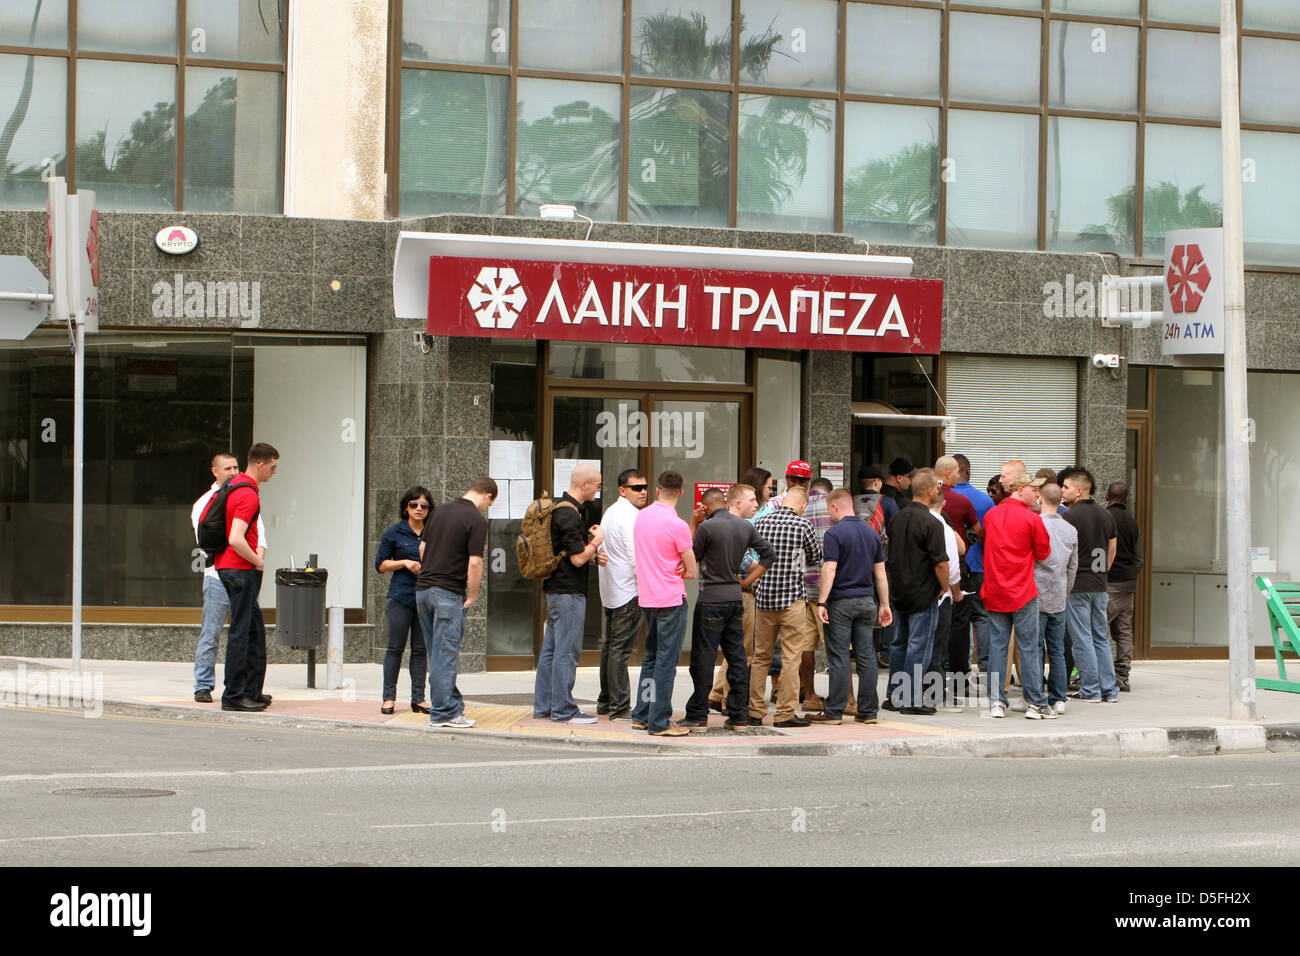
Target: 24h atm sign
x=670 y=305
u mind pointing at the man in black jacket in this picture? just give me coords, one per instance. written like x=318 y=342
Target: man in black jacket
x=1122 y=584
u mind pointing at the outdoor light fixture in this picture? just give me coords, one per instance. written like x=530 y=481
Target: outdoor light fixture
x=559 y=210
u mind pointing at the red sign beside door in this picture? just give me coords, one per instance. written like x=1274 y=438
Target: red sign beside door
x=663 y=305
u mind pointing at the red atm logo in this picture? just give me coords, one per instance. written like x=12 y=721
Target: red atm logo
x=1188 y=278
x=668 y=305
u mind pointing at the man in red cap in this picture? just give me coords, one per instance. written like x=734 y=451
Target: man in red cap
x=798 y=474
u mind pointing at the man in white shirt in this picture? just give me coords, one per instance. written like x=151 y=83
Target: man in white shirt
x=618 y=594
x=947 y=600
x=216 y=603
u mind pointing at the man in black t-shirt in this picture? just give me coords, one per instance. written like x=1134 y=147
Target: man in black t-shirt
x=1085 y=615
x=1122 y=584
x=451 y=569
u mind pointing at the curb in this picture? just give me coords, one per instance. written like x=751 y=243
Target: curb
x=1199 y=741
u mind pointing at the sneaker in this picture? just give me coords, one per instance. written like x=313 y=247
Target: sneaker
x=1019 y=706
x=1041 y=713
x=793 y=722
x=580 y=719
x=997 y=709
x=1110 y=700
x=1078 y=695
x=864 y=720
x=1059 y=707
x=918 y=711
x=733 y=725
x=203 y=696
x=695 y=726
x=823 y=719
x=1123 y=685
x=456 y=723
x=672 y=730
x=638 y=725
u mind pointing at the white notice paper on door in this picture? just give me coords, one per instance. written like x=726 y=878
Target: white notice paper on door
x=499 y=510
x=510 y=459
x=564 y=472
x=521 y=496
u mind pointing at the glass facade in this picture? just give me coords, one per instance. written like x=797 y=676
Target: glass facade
x=893 y=120
x=123 y=102
x=158 y=407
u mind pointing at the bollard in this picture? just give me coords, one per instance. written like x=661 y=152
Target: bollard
x=334 y=653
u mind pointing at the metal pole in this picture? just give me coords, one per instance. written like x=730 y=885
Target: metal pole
x=78 y=468
x=1237 y=427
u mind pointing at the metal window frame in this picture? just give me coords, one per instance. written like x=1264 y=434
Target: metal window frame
x=838 y=97
x=179 y=61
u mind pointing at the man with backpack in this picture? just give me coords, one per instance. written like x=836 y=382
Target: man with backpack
x=240 y=567
x=216 y=605
x=566 y=599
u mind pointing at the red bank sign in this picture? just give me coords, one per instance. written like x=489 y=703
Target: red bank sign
x=666 y=305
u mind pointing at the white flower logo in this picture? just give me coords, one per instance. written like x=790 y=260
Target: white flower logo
x=497 y=297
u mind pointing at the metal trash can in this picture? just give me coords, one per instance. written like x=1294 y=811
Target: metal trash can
x=300 y=607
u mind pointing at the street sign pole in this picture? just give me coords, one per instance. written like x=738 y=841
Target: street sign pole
x=1237 y=426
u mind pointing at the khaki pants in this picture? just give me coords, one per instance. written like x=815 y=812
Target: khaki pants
x=792 y=623
x=1119 y=615
x=720 y=686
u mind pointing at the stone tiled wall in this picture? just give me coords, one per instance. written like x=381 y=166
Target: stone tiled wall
x=156 y=642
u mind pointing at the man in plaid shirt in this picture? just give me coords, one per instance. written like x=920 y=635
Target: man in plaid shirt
x=780 y=605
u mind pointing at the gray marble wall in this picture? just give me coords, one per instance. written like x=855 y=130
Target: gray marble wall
x=156 y=642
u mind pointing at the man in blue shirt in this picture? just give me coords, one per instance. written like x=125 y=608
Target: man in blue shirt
x=846 y=606
x=972 y=609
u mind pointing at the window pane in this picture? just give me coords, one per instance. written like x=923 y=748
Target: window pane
x=567 y=146
x=1013 y=4
x=457 y=31
x=1269 y=69
x=993 y=59
x=1090 y=184
x=233 y=141
x=1270 y=197
x=891 y=172
x=682 y=43
x=993 y=201
x=453 y=143
x=126 y=133
x=49 y=29
x=895 y=50
x=1185 y=11
x=679 y=156
x=787 y=163
x=1183 y=74
x=42 y=132
x=250 y=30
x=1093 y=66
x=647 y=363
x=1271 y=15
x=1109 y=8
x=1182 y=182
x=577 y=36
x=127 y=26
x=789 y=43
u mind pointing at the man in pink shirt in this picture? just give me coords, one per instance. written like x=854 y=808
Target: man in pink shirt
x=665 y=555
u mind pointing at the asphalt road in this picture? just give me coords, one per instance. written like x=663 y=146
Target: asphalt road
x=283 y=796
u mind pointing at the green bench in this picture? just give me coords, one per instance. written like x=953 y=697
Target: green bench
x=1283 y=602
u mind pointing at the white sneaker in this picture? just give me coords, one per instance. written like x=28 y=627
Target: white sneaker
x=457 y=723
x=581 y=719
x=1059 y=707
x=1019 y=706
x=997 y=709
x=1041 y=713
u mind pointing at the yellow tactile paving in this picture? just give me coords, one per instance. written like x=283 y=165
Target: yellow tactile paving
x=921 y=729
x=485 y=717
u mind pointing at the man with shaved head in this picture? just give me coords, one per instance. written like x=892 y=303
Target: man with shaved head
x=1012 y=468
x=566 y=600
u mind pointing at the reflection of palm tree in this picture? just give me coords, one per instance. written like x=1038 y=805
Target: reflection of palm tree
x=898 y=194
x=1163 y=208
x=19 y=114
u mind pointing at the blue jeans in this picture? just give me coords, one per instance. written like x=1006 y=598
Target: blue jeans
x=852 y=621
x=909 y=655
x=1025 y=621
x=1051 y=628
x=1090 y=637
x=979 y=619
x=216 y=605
x=442 y=619
x=665 y=630
x=557 y=666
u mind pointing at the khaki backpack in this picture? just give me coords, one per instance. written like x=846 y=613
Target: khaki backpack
x=533 y=546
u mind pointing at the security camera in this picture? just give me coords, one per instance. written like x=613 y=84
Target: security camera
x=1105 y=361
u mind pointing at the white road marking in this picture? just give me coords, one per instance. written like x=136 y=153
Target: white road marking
x=622 y=816
x=307 y=771
x=95 y=836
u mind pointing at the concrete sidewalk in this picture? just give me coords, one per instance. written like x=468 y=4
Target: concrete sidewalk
x=1176 y=707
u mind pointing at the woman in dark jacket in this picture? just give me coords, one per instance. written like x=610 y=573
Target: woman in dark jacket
x=399 y=553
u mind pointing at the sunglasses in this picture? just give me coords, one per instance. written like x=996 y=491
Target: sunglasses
x=418 y=504
x=637 y=487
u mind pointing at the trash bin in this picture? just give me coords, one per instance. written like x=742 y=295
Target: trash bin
x=300 y=607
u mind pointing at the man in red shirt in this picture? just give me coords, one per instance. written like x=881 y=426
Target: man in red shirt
x=1014 y=538
x=240 y=569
